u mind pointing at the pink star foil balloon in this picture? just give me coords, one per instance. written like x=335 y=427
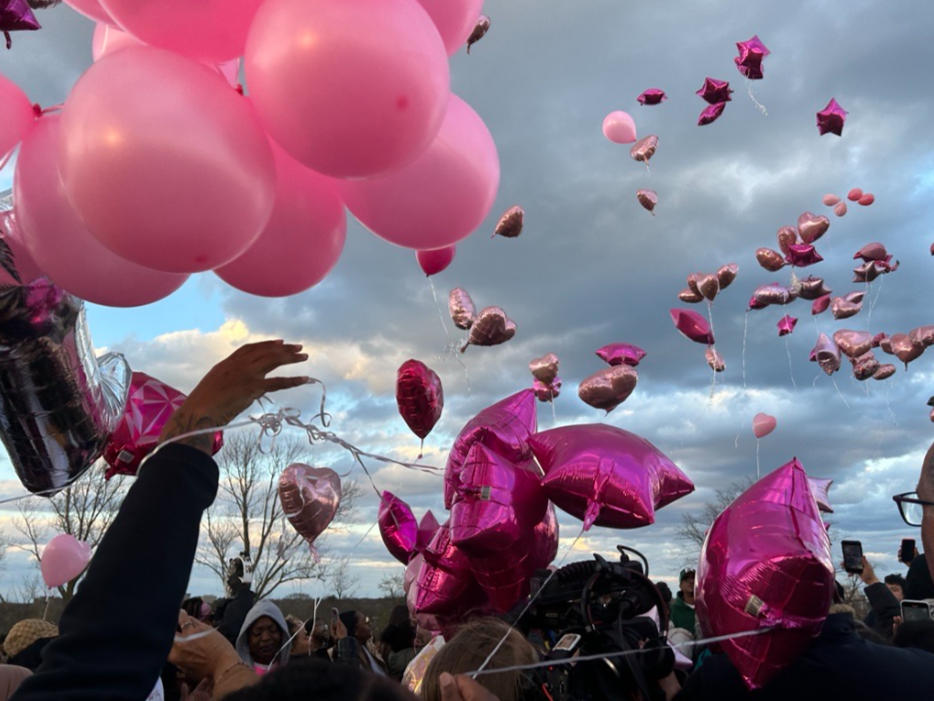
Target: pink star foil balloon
x=826 y=354
x=498 y=502
x=16 y=16
x=710 y=114
x=652 y=96
x=149 y=406
x=547 y=392
x=419 y=396
x=810 y=288
x=310 y=498
x=820 y=488
x=510 y=224
x=749 y=61
x=692 y=326
x=397 y=527
x=621 y=354
x=715 y=91
x=606 y=476
x=606 y=389
x=802 y=255
x=766 y=564
x=831 y=119
x=786 y=325
x=648 y=199
x=491 y=328
x=504 y=427
x=445 y=585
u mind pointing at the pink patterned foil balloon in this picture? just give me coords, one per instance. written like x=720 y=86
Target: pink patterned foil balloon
x=397 y=527
x=63 y=559
x=504 y=427
x=763 y=425
x=149 y=406
x=621 y=354
x=310 y=498
x=826 y=354
x=820 y=488
x=648 y=199
x=812 y=226
x=497 y=502
x=608 y=388
x=714 y=359
x=606 y=476
x=491 y=328
x=708 y=285
x=547 y=392
x=786 y=325
x=419 y=396
x=435 y=261
x=692 y=325
x=766 y=563
x=802 y=255
x=479 y=31
x=853 y=343
x=652 y=96
x=715 y=91
x=751 y=54
x=726 y=274
x=510 y=224
x=710 y=114
x=462 y=309
x=445 y=585
x=831 y=119
x=545 y=369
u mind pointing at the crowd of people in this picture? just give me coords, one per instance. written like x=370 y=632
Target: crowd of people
x=123 y=636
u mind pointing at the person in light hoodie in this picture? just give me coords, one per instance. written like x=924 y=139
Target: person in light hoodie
x=261 y=643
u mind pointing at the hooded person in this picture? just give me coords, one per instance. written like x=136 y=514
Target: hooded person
x=262 y=640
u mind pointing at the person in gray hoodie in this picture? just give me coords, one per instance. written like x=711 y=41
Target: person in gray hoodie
x=262 y=640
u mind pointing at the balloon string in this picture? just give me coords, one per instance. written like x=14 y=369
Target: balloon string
x=745 y=329
x=759 y=105
x=790 y=368
x=873 y=300
x=554 y=413
x=438 y=307
x=834 y=380
x=452 y=350
x=621 y=653
x=528 y=605
x=48 y=599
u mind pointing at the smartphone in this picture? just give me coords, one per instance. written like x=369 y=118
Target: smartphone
x=335 y=616
x=916 y=610
x=852 y=556
x=908 y=550
x=568 y=642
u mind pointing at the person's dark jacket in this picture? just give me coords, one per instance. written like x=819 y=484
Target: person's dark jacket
x=235 y=612
x=838 y=665
x=885 y=608
x=918 y=582
x=30 y=656
x=116 y=633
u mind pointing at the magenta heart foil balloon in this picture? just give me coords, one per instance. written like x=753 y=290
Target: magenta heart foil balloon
x=397 y=527
x=606 y=476
x=310 y=497
x=419 y=396
x=692 y=325
x=766 y=563
x=504 y=428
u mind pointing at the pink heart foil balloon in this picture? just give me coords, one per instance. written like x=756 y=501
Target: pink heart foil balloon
x=461 y=308
x=853 y=343
x=545 y=369
x=714 y=359
x=644 y=149
x=692 y=282
x=504 y=427
x=491 y=328
x=690 y=296
x=770 y=260
x=878 y=339
x=904 y=348
x=841 y=309
x=763 y=425
x=510 y=224
x=872 y=251
x=923 y=335
x=773 y=293
x=787 y=236
x=692 y=325
x=648 y=199
x=397 y=527
x=608 y=388
x=766 y=564
x=621 y=354
x=854 y=297
x=726 y=274
x=812 y=226
x=606 y=476
x=709 y=286
x=820 y=488
x=865 y=366
x=419 y=396
x=310 y=497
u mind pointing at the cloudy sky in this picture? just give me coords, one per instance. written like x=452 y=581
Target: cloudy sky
x=593 y=267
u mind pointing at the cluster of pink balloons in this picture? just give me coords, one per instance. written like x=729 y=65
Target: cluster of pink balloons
x=159 y=166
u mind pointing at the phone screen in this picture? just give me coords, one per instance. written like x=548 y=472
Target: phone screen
x=908 y=550
x=916 y=611
x=853 y=556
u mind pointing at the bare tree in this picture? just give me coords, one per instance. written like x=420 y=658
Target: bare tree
x=344 y=582
x=85 y=510
x=247 y=517
x=392 y=586
x=694 y=526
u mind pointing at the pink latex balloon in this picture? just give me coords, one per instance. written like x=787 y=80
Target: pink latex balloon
x=840 y=209
x=445 y=585
x=763 y=425
x=167 y=166
x=303 y=240
x=867 y=199
x=149 y=405
x=504 y=427
x=830 y=200
x=786 y=325
x=419 y=396
x=854 y=194
x=16 y=117
x=63 y=559
x=350 y=89
x=498 y=502
x=766 y=563
x=435 y=261
x=621 y=353
x=692 y=325
x=397 y=527
x=606 y=389
x=440 y=198
x=820 y=488
x=310 y=499
x=606 y=476
x=831 y=119
x=61 y=244
x=107 y=39
x=619 y=128
x=209 y=31
x=91 y=9
x=455 y=20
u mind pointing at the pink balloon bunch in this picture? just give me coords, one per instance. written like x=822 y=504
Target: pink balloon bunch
x=766 y=565
x=546 y=383
x=63 y=559
x=149 y=405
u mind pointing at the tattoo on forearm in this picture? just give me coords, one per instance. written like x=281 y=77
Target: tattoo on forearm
x=182 y=422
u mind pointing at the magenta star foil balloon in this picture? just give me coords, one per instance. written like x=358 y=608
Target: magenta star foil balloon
x=749 y=61
x=710 y=114
x=715 y=91
x=149 y=406
x=621 y=354
x=496 y=504
x=419 y=396
x=427 y=528
x=802 y=255
x=652 y=96
x=607 y=476
x=504 y=428
x=831 y=119
x=786 y=325
x=692 y=325
x=445 y=585
x=820 y=488
x=766 y=564
x=16 y=16
x=397 y=527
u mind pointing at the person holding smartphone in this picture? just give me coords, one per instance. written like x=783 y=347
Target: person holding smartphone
x=884 y=603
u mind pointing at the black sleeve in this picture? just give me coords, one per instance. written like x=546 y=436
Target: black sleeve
x=116 y=633
x=884 y=605
x=347 y=652
x=235 y=613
